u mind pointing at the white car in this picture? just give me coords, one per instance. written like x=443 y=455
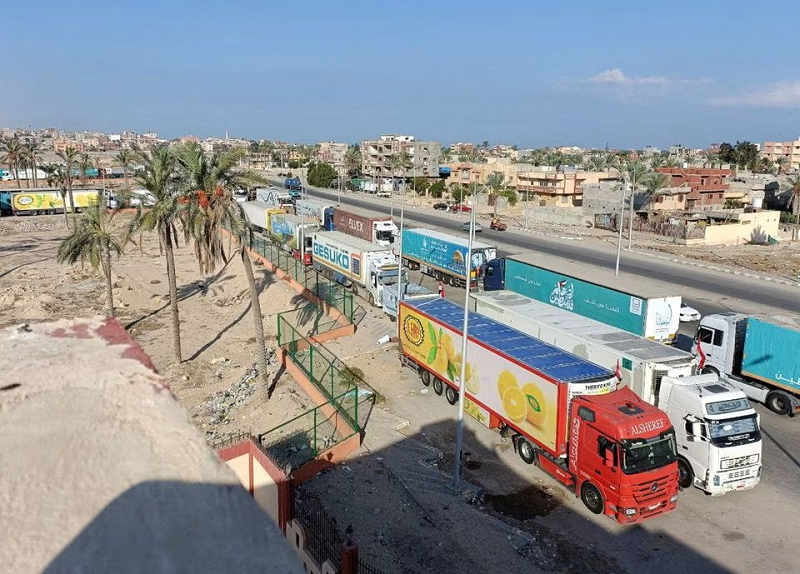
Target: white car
x=688 y=313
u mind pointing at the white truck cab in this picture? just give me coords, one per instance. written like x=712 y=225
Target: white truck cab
x=717 y=433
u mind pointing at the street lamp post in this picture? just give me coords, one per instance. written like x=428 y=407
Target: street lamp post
x=633 y=196
x=464 y=338
x=619 y=230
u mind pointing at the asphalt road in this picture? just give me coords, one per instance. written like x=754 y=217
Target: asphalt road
x=706 y=290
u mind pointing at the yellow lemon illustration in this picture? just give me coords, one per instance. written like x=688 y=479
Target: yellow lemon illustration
x=470 y=376
x=446 y=345
x=440 y=363
x=514 y=404
x=505 y=381
x=537 y=407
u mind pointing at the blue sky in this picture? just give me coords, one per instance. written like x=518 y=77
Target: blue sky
x=534 y=74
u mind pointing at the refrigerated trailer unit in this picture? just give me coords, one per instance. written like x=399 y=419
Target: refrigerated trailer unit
x=442 y=255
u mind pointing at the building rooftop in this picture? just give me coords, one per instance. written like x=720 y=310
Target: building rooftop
x=103 y=472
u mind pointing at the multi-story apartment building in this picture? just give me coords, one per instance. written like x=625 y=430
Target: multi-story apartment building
x=332 y=153
x=707 y=188
x=555 y=188
x=424 y=156
x=790 y=150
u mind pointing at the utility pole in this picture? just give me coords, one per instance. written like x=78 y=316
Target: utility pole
x=633 y=197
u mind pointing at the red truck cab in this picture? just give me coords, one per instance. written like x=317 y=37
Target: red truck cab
x=622 y=456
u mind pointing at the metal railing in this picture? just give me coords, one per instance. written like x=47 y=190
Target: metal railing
x=301 y=439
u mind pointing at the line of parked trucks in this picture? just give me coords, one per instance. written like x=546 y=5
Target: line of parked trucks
x=577 y=368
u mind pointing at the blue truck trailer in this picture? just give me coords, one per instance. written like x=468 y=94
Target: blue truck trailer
x=629 y=303
x=442 y=256
x=762 y=358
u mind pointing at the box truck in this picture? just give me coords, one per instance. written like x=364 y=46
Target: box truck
x=368 y=225
x=442 y=256
x=631 y=303
x=273 y=196
x=717 y=432
x=760 y=358
x=643 y=366
x=613 y=450
x=294 y=233
x=45 y=201
x=361 y=265
x=259 y=213
x=318 y=209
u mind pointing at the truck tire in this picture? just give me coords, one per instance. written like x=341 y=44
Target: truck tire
x=425 y=377
x=451 y=395
x=685 y=473
x=438 y=386
x=526 y=451
x=592 y=498
x=779 y=402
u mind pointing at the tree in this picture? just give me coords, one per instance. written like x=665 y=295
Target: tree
x=159 y=178
x=352 y=160
x=496 y=187
x=124 y=159
x=781 y=162
x=209 y=183
x=95 y=237
x=445 y=154
x=727 y=153
x=31 y=152
x=437 y=189
x=651 y=183
x=57 y=178
x=485 y=144
x=421 y=185
x=759 y=164
x=320 y=174
x=745 y=154
x=84 y=164
x=398 y=163
x=70 y=158
x=13 y=155
x=794 y=200
x=656 y=161
x=294 y=164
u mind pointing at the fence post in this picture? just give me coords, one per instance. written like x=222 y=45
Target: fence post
x=315 y=431
x=349 y=557
x=355 y=413
x=279 y=329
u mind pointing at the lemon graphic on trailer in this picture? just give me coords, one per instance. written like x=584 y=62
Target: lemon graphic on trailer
x=470 y=374
x=514 y=404
x=448 y=347
x=505 y=381
x=536 y=406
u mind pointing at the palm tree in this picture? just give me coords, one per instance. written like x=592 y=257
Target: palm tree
x=159 y=179
x=56 y=178
x=13 y=156
x=794 y=200
x=651 y=183
x=210 y=183
x=84 y=165
x=596 y=163
x=781 y=162
x=70 y=158
x=32 y=156
x=496 y=187
x=95 y=237
x=352 y=160
x=656 y=161
x=125 y=158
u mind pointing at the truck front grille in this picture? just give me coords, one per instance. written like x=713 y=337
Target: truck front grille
x=646 y=491
x=738 y=462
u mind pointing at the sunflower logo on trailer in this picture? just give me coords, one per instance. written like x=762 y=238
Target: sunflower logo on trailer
x=414 y=332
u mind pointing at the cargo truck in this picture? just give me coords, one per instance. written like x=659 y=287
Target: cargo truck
x=442 y=255
x=294 y=234
x=631 y=303
x=318 y=209
x=643 y=366
x=293 y=183
x=389 y=296
x=717 y=432
x=259 y=214
x=760 y=358
x=273 y=196
x=361 y=265
x=613 y=450
x=367 y=225
x=45 y=201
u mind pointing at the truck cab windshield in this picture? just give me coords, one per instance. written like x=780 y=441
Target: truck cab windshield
x=731 y=432
x=390 y=277
x=641 y=455
x=384 y=235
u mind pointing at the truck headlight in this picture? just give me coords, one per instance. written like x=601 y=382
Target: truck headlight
x=629 y=511
x=726 y=463
x=716 y=480
x=674 y=498
x=752 y=459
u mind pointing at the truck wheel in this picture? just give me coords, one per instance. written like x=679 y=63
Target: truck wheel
x=685 y=474
x=592 y=498
x=451 y=395
x=425 y=377
x=438 y=386
x=526 y=451
x=710 y=371
x=779 y=402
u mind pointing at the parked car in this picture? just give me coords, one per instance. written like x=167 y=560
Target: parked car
x=461 y=207
x=441 y=206
x=465 y=227
x=688 y=313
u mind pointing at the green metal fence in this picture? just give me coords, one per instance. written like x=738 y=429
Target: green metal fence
x=327 y=290
x=303 y=438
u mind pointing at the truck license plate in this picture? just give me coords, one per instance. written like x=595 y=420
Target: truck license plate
x=653 y=506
